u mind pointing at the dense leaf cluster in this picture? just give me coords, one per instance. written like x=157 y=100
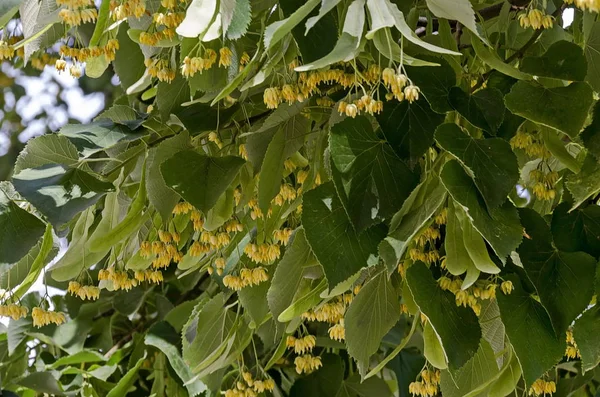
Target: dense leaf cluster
x=308 y=198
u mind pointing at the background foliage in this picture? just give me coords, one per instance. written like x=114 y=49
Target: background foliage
x=305 y=198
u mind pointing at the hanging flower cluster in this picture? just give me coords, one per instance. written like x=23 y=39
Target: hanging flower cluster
x=13 y=311
x=119 y=279
x=247 y=278
x=541 y=387
x=43 y=317
x=77 y=12
x=249 y=387
x=121 y=9
x=535 y=19
x=428 y=386
x=572 y=351
x=471 y=297
x=151 y=276
x=543 y=183
x=307 y=363
x=83 y=292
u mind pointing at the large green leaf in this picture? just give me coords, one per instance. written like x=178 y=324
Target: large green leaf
x=170 y=96
x=586 y=183
x=457 y=256
x=562 y=279
x=578 y=230
x=585 y=333
x=165 y=338
x=19 y=230
x=563 y=60
x=409 y=127
x=320 y=40
x=348 y=44
x=499 y=226
x=60 y=192
x=456 y=326
x=289 y=273
x=21 y=276
x=129 y=59
x=530 y=332
x=242 y=15
x=491 y=58
x=38 y=19
x=484 y=108
x=592 y=54
x=371 y=181
x=126 y=382
x=322 y=383
x=435 y=82
x=472 y=377
x=42 y=382
x=491 y=162
x=562 y=108
x=199 y=17
x=370 y=316
x=591 y=134
x=200 y=179
x=279 y=29
x=160 y=195
x=339 y=248
x=98 y=135
x=8 y=9
x=416 y=212
x=47 y=149
x=456 y=10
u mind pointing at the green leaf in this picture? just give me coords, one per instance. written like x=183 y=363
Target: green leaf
x=491 y=58
x=508 y=379
x=370 y=316
x=473 y=377
x=411 y=36
x=126 y=382
x=42 y=382
x=17 y=333
x=205 y=181
x=491 y=161
x=84 y=356
x=170 y=96
x=60 y=192
x=160 y=195
x=307 y=297
x=562 y=108
x=409 y=127
x=341 y=251
x=557 y=147
x=530 y=332
x=475 y=246
x=165 y=338
x=242 y=16
x=199 y=17
x=46 y=149
x=457 y=256
x=499 y=226
x=407 y=366
x=320 y=40
x=435 y=83
x=19 y=230
x=37 y=19
x=433 y=350
x=563 y=60
x=456 y=10
x=371 y=181
x=354 y=387
x=554 y=273
x=591 y=134
x=577 y=230
x=279 y=29
x=411 y=218
x=98 y=136
x=456 y=326
x=289 y=272
x=347 y=46
x=585 y=333
x=101 y=23
x=129 y=59
x=8 y=9
x=592 y=54
x=484 y=109
x=586 y=183
x=21 y=276
x=326 y=6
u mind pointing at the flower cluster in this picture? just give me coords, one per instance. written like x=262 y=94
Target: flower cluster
x=536 y=19
x=170 y=19
x=307 y=363
x=13 y=311
x=250 y=387
x=247 y=278
x=366 y=103
x=428 y=386
x=121 y=9
x=572 y=351
x=532 y=146
x=286 y=194
x=198 y=64
x=543 y=184
x=83 y=292
x=163 y=251
x=151 y=39
x=40 y=61
x=282 y=236
x=43 y=317
x=337 y=331
x=160 y=69
x=591 y=5
x=152 y=276
x=264 y=253
x=330 y=312
x=542 y=387
x=119 y=279
x=425 y=246
x=77 y=12
x=481 y=290
x=507 y=287
x=400 y=86
x=301 y=345
x=6 y=50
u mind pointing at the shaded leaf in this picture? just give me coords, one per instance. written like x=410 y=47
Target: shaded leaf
x=484 y=108
x=46 y=149
x=563 y=60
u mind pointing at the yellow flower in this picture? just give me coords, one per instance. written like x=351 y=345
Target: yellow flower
x=351 y=110
x=272 y=97
x=42 y=317
x=411 y=93
x=307 y=363
x=507 y=287
x=337 y=332
x=60 y=65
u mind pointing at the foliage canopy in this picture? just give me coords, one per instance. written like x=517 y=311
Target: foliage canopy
x=308 y=198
